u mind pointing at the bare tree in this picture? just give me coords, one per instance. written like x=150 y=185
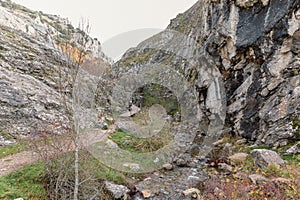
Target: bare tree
x=75 y=50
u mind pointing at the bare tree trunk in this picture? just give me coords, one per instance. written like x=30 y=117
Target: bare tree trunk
x=85 y=28
x=76 y=186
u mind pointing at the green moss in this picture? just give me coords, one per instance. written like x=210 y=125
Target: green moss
x=137 y=59
x=25 y=182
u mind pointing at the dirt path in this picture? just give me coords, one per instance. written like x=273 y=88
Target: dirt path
x=13 y=162
x=55 y=148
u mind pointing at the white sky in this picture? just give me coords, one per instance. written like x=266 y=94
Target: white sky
x=112 y=17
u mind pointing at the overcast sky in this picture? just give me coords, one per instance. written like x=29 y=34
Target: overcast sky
x=112 y=17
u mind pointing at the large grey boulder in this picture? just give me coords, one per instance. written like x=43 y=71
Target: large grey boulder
x=118 y=191
x=263 y=158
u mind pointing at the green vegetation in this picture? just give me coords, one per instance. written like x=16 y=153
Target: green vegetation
x=131 y=143
x=137 y=59
x=25 y=182
x=30 y=181
x=156 y=94
x=11 y=149
x=296 y=124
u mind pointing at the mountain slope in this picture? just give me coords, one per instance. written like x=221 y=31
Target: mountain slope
x=254 y=47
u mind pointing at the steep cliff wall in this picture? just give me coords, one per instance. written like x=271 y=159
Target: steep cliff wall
x=36 y=79
x=253 y=45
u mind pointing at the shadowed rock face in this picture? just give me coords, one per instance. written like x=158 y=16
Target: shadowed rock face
x=255 y=48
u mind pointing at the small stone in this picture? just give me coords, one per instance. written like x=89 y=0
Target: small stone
x=263 y=158
x=133 y=110
x=19 y=199
x=132 y=166
x=241 y=141
x=227 y=169
x=293 y=150
x=168 y=166
x=118 y=191
x=218 y=142
x=246 y=3
x=194 y=180
x=281 y=180
x=238 y=157
x=240 y=175
x=146 y=194
x=219 y=193
x=258 y=179
x=264 y=2
x=192 y=191
x=181 y=163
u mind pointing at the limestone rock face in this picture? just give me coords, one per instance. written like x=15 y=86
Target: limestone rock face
x=254 y=48
x=35 y=77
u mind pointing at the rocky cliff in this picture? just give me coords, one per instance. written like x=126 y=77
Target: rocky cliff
x=253 y=50
x=241 y=58
x=35 y=74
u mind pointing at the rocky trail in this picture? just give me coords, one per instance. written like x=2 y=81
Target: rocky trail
x=13 y=162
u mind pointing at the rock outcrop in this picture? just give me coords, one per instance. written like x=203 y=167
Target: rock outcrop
x=252 y=48
x=36 y=79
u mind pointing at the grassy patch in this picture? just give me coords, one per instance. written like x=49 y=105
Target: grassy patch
x=292 y=159
x=25 y=182
x=11 y=149
x=102 y=173
x=131 y=143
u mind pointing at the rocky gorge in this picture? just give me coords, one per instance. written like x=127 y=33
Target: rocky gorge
x=240 y=61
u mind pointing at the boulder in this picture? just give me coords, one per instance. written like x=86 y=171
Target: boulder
x=263 y=158
x=117 y=191
x=238 y=157
x=258 y=179
x=295 y=149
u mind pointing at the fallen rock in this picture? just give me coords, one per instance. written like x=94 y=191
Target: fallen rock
x=219 y=193
x=240 y=175
x=263 y=158
x=258 y=179
x=133 y=110
x=281 y=181
x=246 y=3
x=195 y=180
x=293 y=150
x=238 y=157
x=146 y=194
x=192 y=191
x=218 y=142
x=183 y=160
x=227 y=169
x=5 y=142
x=168 y=166
x=117 y=191
x=241 y=141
